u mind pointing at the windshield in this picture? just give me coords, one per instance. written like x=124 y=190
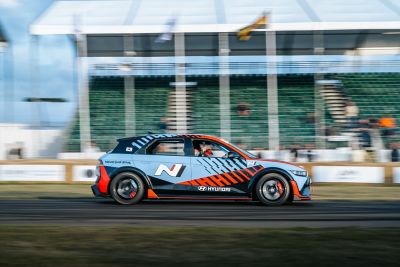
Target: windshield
x=243 y=151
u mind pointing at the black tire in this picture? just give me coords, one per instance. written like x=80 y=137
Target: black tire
x=127 y=188
x=273 y=189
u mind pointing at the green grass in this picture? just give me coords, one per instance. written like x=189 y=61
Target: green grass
x=133 y=246
x=319 y=192
x=45 y=190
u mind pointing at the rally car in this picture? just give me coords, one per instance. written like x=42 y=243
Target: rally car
x=190 y=166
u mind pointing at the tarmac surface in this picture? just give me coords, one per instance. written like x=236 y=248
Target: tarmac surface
x=86 y=211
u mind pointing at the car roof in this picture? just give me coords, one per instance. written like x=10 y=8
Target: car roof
x=157 y=136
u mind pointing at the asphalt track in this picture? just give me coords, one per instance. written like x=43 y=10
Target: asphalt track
x=86 y=211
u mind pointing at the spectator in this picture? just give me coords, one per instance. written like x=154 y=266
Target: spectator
x=388 y=125
x=330 y=131
x=365 y=138
x=243 y=109
x=351 y=114
x=294 y=153
x=395 y=154
x=364 y=134
x=310 y=153
x=373 y=122
x=310 y=119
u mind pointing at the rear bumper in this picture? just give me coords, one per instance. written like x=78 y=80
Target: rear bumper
x=100 y=188
x=95 y=190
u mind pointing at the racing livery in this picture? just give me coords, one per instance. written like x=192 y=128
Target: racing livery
x=172 y=166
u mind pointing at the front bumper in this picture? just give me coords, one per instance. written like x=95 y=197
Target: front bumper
x=304 y=194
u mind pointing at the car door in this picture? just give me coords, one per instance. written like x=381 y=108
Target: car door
x=167 y=166
x=214 y=174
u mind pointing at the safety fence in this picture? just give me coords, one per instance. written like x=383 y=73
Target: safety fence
x=78 y=171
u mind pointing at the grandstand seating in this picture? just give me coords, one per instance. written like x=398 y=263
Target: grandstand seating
x=205 y=110
x=151 y=105
x=296 y=102
x=375 y=95
x=252 y=130
x=107 y=112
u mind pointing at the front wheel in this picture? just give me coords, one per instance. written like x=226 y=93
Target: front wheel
x=273 y=189
x=127 y=188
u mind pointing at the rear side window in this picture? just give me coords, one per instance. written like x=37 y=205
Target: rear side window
x=167 y=147
x=125 y=147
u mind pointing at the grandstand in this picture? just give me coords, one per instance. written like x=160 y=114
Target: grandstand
x=322 y=54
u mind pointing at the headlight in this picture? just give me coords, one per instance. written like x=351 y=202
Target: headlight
x=299 y=173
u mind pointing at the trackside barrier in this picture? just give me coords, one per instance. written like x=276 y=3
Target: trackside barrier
x=78 y=171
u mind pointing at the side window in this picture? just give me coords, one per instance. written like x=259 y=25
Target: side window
x=125 y=147
x=205 y=148
x=167 y=147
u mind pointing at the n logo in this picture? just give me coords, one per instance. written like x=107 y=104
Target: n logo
x=176 y=170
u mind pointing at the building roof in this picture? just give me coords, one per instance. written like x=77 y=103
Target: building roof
x=150 y=16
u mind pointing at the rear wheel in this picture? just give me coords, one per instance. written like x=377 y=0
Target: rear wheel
x=273 y=189
x=127 y=188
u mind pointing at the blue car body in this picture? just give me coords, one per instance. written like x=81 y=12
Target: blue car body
x=178 y=172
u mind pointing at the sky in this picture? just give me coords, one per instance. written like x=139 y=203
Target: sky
x=53 y=75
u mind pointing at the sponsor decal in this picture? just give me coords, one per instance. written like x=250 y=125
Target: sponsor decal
x=50 y=173
x=176 y=170
x=348 y=174
x=118 y=162
x=396 y=175
x=213 y=189
x=84 y=173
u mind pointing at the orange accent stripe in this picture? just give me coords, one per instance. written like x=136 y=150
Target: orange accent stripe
x=244 y=175
x=209 y=182
x=259 y=167
x=193 y=182
x=215 y=180
x=249 y=172
x=237 y=176
x=151 y=194
x=200 y=181
x=230 y=178
x=222 y=179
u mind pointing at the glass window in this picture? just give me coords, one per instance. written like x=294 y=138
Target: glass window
x=205 y=148
x=167 y=147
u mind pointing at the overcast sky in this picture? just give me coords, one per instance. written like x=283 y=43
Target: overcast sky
x=55 y=67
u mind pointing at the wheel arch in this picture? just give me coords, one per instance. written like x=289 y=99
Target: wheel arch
x=284 y=173
x=141 y=174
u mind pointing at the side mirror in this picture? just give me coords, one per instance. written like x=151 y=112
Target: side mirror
x=232 y=155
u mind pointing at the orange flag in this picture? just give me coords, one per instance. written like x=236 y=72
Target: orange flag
x=244 y=34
